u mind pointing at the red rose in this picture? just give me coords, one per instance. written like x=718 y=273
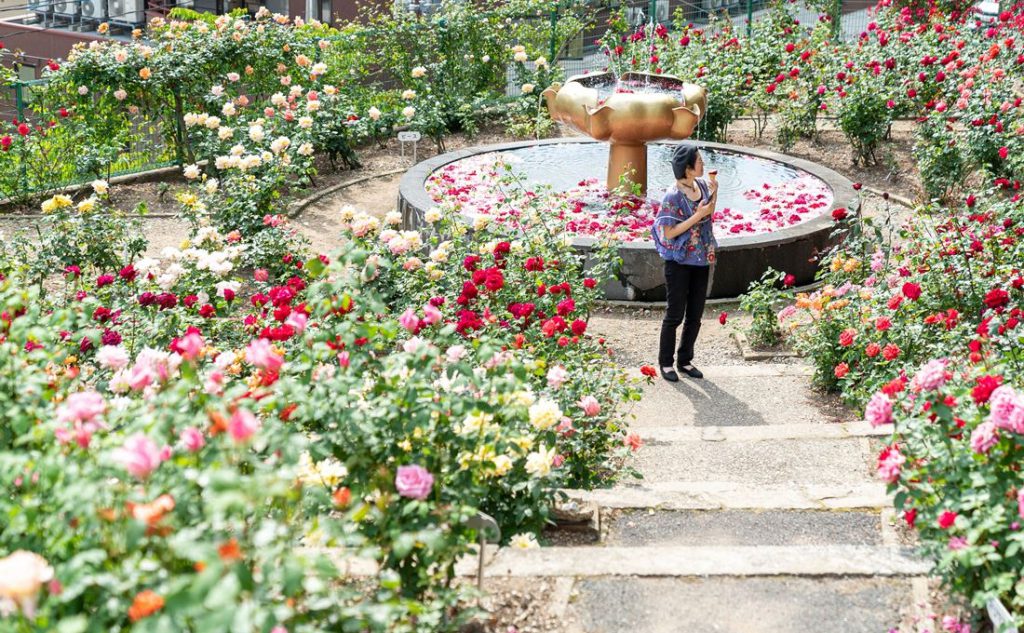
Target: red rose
x=5 y=142
x=841 y=370
x=882 y=324
x=648 y=371
x=984 y=387
x=207 y=311
x=947 y=519
x=997 y=298
x=589 y=282
x=1004 y=152
x=911 y=290
x=846 y=337
x=723 y=317
x=910 y=516
x=789 y=280
x=891 y=351
x=873 y=349
x=839 y=214
x=579 y=327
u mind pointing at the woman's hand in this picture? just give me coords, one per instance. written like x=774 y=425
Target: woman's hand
x=705 y=210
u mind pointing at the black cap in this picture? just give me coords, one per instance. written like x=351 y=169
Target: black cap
x=684 y=156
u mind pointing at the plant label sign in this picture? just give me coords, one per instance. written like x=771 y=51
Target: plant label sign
x=410 y=136
x=1001 y=619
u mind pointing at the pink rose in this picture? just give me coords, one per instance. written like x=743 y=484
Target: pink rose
x=984 y=437
x=590 y=406
x=890 y=464
x=1020 y=503
x=431 y=315
x=260 y=353
x=414 y=482
x=557 y=376
x=297 y=320
x=243 y=425
x=140 y=456
x=112 y=357
x=81 y=407
x=192 y=438
x=879 y=410
x=189 y=345
x=409 y=320
x=261 y=274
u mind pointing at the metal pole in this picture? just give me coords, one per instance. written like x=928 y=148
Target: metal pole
x=554 y=33
x=19 y=101
x=750 y=19
x=652 y=11
x=837 y=19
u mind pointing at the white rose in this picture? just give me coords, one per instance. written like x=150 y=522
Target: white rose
x=521 y=57
x=100 y=187
x=418 y=72
x=409 y=112
x=409 y=95
x=374 y=113
x=228 y=109
x=192 y=172
x=527 y=88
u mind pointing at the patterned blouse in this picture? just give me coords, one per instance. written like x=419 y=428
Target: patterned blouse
x=695 y=247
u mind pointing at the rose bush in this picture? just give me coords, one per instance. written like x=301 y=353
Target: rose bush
x=185 y=447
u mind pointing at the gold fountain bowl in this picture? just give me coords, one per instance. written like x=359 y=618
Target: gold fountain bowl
x=670 y=111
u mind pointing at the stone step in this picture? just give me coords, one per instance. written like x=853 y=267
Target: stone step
x=742 y=605
x=708 y=560
x=743 y=527
x=835 y=461
x=753 y=433
x=740 y=395
x=714 y=495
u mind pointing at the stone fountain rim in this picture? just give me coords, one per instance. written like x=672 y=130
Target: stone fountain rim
x=413 y=191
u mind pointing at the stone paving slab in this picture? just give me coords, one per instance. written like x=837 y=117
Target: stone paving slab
x=774 y=432
x=736 y=396
x=711 y=495
x=708 y=560
x=809 y=461
x=740 y=605
x=743 y=527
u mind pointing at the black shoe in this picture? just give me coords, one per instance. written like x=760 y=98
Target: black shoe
x=669 y=375
x=691 y=371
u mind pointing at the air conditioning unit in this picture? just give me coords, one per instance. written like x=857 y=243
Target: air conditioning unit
x=94 y=10
x=130 y=12
x=66 y=8
x=40 y=7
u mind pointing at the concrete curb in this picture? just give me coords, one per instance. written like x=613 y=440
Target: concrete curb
x=296 y=208
x=750 y=354
x=710 y=495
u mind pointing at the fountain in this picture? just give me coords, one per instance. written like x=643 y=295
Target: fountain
x=773 y=210
x=628 y=112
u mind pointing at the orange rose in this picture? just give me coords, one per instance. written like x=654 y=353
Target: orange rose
x=146 y=603
x=145 y=73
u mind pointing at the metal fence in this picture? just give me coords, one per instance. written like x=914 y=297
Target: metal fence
x=582 y=53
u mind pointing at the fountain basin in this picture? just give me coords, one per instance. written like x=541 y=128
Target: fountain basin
x=742 y=258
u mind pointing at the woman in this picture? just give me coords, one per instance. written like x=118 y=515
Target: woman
x=685 y=240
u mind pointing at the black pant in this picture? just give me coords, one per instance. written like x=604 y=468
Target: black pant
x=686 y=289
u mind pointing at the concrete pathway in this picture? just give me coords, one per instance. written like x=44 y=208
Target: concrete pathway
x=757 y=512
